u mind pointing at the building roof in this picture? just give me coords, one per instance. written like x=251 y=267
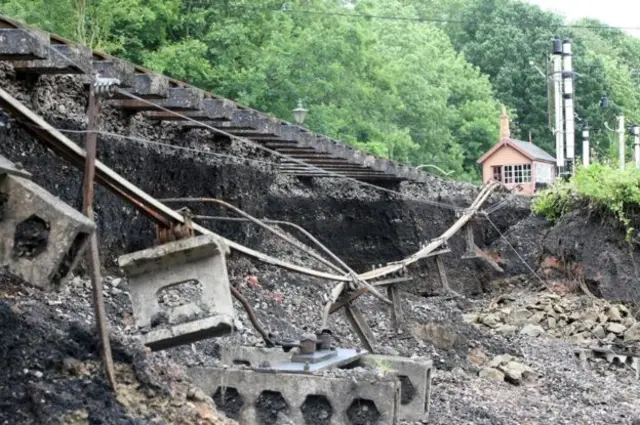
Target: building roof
x=528 y=149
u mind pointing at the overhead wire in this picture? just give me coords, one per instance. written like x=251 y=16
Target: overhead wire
x=161 y=144
x=223 y=155
x=287 y=157
x=399 y=18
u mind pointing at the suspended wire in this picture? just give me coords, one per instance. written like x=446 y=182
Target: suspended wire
x=290 y=158
x=194 y=150
x=399 y=18
x=166 y=145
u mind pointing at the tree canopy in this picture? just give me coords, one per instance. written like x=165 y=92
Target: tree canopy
x=413 y=80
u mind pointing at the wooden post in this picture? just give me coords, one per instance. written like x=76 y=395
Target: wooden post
x=397 y=316
x=470 y=252
x=357 y=320
x=93 y=254
x=443 y=276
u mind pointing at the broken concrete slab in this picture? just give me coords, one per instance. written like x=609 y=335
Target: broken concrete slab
x=22 y=44
x=415 y=383
x=199 y=264
x=63 y=59
x=42 y=237
x=339 y=401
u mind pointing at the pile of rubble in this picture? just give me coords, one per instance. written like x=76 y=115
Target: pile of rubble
x=507 y=368
x=52 y=371
x=580 y=320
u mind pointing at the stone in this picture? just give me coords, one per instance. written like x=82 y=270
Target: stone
x=490 y=320
x=599 y=332
x=477 y=356
x=196 y=394
x=506 y=311
x=506 y=329
x=551 y=322
x=613 y=313
x=532 y=330
x=459 y=372
x=632 y=334
x=441 y=336
x=602 y=318
x=518 y=316
x=629 y=321
x=616 y=328
x=611 y=337
x=491 y=374
x=591 y=314
x=579 y=338
x=536 y=318
x=515 y=371
x=500 y=360
x=470 y=318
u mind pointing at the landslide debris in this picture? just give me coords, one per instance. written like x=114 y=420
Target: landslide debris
x=51 y=373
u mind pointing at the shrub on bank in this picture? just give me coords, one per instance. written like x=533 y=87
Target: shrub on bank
x=601 y=188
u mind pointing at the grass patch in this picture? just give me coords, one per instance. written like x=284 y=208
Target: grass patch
x=601 y=188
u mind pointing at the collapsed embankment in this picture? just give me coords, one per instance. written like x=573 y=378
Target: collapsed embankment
x=362 y=225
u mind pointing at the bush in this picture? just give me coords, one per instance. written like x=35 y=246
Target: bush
x=601 y=188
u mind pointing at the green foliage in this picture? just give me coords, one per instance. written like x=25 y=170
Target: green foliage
x=420 y=92
x=602 y=188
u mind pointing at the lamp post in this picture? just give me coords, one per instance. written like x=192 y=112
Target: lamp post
x=299 y=114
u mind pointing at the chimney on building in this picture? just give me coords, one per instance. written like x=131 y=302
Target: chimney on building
x=505 y=132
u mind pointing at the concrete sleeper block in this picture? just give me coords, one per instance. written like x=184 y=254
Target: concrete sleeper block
x=42 y=237
x=306 y=396
x=166 y=320
x=63 y=59
x=21 y=44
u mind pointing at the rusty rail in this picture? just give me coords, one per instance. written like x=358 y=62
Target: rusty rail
x=93 y=253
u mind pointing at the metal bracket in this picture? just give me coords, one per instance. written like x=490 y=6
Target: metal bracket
x=105 y=87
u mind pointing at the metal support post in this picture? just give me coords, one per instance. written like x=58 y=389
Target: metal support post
x=87 y=208
x=636 y=145
x=585 y=146
x=569 y=123
x=621 y=143
x=557 y=97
